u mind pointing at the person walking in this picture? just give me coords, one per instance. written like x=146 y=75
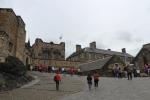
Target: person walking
x=148 y=70
x=125 y=71
x=116 y=70
x=57 y=80
x=129 y=72
x=96 y=79
x=120 y=73
x=89 y=81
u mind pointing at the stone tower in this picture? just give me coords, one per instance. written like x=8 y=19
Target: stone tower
x=12 y=28
x=45 y=51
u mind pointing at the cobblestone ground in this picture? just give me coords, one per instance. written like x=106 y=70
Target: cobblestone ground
x=116 y=89
x=44 y=88
x=75 y=88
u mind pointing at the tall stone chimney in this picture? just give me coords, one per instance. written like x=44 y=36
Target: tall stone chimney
x=123 y=50
x=93 y=45
x=78 y=48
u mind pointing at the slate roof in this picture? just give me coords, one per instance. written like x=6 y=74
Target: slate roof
x=102 y=51
x=97 y=64
x=142 y=49
x=107 y=52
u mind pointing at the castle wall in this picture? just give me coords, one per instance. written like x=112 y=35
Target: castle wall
x=14 y=27
x=43 y=50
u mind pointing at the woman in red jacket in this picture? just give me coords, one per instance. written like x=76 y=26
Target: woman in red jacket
x=57 y=79
x=96 y=79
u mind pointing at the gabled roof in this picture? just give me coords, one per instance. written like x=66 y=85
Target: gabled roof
x=142 y=49
x=98 y=64
x=101 y=51
x=76 y=53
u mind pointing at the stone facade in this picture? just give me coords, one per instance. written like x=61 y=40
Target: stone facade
x=143 y=57
x=49 y=54
x=28 y=55
x=4 y=49
x=55 y=63
x=12 y=28
x=44 y=50
x=92 y=53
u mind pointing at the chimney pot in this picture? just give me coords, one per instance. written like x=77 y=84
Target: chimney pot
x=123 y=50
x=78 y=48
x=93 y=45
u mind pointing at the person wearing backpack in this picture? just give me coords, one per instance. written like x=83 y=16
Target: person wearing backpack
x=57 y=79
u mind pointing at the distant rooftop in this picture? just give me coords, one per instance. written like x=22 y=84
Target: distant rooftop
x=94 y=65
x=102 y=51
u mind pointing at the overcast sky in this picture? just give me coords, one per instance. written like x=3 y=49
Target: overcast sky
x=113 y=24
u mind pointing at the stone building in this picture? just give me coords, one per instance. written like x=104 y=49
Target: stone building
x=49 y=54
x=28 y=54
x=103 y=66
x=12 y=35
x=45 y=50
x=92 y=53
x=143 y=57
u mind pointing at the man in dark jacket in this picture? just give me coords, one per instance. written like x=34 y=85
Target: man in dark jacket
x=89 y=81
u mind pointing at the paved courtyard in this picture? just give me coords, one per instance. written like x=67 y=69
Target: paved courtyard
x=75 y=88
x=116 y=89
x=43 y=88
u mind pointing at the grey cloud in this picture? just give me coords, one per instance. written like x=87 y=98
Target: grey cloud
x=128 y=37
x=124 y=36
x=100 y=45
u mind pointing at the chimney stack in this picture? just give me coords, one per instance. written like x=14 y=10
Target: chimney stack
x=93 y=45
x=78 y=48
x=123 y=50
